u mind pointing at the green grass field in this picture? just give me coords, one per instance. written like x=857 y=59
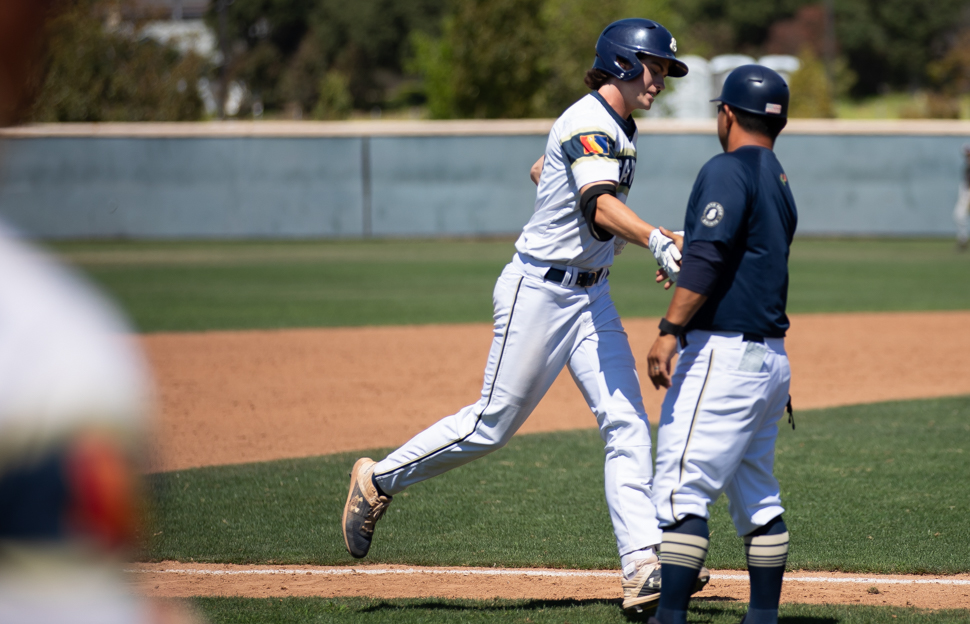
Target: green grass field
x=875 y=488
x=377 y=611
x=244 y=285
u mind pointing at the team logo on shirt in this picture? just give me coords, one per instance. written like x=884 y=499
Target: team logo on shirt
x=595 y=144
x=784 y=179
x=712 y=214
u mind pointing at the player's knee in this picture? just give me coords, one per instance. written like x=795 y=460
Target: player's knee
x=690 y=525
x=775 y=526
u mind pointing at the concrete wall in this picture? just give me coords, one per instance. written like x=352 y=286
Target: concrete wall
x=434 y=179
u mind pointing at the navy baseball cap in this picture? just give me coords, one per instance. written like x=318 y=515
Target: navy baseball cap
x=756 y=89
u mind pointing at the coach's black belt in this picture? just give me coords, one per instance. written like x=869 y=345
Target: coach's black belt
x=583 y=278
x=753 y=338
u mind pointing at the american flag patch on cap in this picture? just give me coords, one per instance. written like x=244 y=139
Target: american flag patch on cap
x=774 y=109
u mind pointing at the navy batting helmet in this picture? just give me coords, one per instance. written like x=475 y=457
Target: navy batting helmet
x=625 y=38
x=756 y=89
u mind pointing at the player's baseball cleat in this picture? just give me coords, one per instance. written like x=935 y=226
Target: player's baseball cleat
x=642 y=592
x=703 y=578
x=363 y=509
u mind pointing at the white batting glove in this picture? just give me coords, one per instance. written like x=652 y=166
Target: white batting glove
x=665 y=251
x=618 y=245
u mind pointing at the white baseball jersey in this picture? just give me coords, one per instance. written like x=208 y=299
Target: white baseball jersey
x=543 y=325
x=589 y=143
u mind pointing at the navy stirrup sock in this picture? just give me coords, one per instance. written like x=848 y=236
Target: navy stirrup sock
x=682 y=554
x=766 y=550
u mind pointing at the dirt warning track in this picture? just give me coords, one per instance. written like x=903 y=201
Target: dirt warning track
x=232 y=397
x=174 y=579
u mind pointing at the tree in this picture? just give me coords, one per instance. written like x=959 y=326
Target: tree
x=519 y=58
x=96 y=74
x=571 y=29
x=488 y=61
x=891 y=42
x=811 y=93
x=287 y=48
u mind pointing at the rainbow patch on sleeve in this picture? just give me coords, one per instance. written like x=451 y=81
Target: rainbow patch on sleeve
x=595 y=144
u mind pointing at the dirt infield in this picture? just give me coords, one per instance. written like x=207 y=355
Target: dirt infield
x=173 y=579
x=231 y=397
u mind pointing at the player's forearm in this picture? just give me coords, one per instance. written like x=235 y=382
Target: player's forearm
x=616 y=218
x=684 y=305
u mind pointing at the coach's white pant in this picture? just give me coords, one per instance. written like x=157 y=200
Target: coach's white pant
x=718 y=426
x=539 y=328
x=961 y=214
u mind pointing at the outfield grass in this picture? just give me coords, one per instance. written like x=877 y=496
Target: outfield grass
x=376 y=611
x=875 y=488
x=242 y=285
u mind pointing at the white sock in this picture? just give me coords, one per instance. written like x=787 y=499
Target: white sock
x=629 y=561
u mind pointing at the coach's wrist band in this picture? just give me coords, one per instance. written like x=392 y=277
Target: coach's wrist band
x=668 y=328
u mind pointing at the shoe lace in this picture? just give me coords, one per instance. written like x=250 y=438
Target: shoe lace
x=376 y=511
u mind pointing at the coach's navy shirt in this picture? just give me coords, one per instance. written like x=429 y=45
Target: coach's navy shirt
x=739 y=226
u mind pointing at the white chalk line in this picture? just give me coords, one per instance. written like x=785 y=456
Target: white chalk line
x=542 y=573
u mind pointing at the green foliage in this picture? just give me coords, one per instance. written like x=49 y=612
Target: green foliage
x=811 y=93
x=442 y=611
x=223 y=285
x=571 y=29
x=432 y=60
x=477 y=69
x=870 y=488
x=366 y=42
x=888 y=43
x=335 y=101
x=96 y=74
x=891 y=42
x=494 y=51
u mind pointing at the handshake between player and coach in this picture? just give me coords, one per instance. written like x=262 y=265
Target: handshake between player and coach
x=726 y=319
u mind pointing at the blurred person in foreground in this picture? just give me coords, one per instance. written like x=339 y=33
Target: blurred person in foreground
x=74 y=403
x=961 y=212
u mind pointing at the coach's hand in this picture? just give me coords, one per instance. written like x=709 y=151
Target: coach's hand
x=658 y=361
x=677 y=237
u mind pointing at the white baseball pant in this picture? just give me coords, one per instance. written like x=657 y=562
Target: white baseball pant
x=718 y=426
x=540 y=327
x=961 y=214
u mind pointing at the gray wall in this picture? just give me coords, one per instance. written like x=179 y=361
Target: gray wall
x=252 y=187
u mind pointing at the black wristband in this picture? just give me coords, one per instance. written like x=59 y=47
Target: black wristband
x=668 y=328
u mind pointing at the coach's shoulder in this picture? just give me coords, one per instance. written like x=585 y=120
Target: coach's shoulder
x=724 y=164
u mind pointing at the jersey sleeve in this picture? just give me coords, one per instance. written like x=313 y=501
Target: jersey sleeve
x=591 y=154
x=720 y=202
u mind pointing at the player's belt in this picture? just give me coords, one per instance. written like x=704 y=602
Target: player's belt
x=583 y=278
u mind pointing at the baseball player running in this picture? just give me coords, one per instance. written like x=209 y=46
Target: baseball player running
x=719 y=419
x=553 y=309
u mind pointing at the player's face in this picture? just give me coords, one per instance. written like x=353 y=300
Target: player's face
x=651 y=82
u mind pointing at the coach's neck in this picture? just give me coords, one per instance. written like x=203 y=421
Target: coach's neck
x=733 y=136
